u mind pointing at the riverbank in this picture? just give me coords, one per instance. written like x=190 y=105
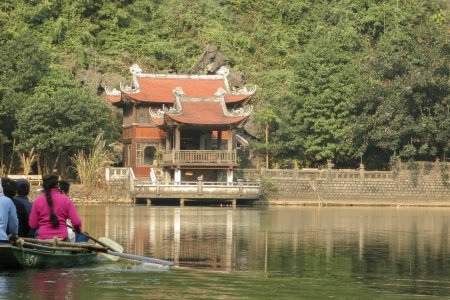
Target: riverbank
x=120 y=196
x=373 y=202
x=107 y=195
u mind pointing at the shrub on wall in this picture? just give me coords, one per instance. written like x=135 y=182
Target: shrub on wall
x=444 y=173
x=268 y=186
x=413 y=167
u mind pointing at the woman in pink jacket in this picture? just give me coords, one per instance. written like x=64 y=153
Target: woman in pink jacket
x=51 y=210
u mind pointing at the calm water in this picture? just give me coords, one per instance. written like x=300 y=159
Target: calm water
x=256 y=253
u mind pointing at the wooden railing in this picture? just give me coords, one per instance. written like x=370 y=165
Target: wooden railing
x=33 y=179
x=125 y=175
x=199 y=157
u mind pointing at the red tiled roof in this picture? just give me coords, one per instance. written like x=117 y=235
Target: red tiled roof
x=113 y=99
x=159 y=90
x=203 y=113
x=230 y=98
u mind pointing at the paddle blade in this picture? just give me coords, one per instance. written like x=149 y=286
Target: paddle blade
x=113 y=245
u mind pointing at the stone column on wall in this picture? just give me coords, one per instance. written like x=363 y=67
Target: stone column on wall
x=330 y=166
x=437 y=168
x=362 y=170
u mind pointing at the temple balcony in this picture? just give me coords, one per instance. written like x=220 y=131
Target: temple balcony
x=199 y=157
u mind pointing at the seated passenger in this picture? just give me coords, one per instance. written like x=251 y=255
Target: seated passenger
x=8 y=218
x=51 y=210
x=10 y=191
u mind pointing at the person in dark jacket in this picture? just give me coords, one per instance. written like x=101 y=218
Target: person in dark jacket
x=10 y=190
x=64 y=187
x=23 y=189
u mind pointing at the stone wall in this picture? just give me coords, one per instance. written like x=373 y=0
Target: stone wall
x=420 y=183
x=367 y=192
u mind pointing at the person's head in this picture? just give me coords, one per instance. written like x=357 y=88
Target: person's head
x=23 y=187
x=64 y=187
x=49 y=181
x=9 y=187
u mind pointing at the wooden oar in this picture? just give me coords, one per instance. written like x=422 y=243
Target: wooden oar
x=105 y=242
x=100 y=249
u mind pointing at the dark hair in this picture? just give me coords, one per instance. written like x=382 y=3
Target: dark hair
x=50 y=181
x=23 y=187
x=64 y=187
x=9 y=187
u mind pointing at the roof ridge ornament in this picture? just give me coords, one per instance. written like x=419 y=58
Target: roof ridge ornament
x=135 y=69
x=178 y=92
x=224 y=71
x=243 y=111
x=113 y=92
x=134 y=88
x=243 y=91
x=157 y=113
x=220 y=92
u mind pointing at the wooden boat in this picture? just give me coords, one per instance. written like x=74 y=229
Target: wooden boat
x=38 y=256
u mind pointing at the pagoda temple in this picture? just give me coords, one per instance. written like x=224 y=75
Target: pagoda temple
x=180 y=128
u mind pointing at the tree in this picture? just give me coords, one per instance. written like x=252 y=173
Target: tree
x=23 y=63
x=265 y=116
x=403 y=108
x=60 y=125
x=327 y=79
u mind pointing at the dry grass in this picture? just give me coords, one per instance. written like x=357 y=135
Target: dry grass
x=91 y=168
x=2 y=171
x=27 y=161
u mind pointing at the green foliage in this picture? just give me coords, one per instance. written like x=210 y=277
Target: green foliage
x=414 y=169
x=327 y=77
x=348 y=80
x=62 y=122
x=268 y=186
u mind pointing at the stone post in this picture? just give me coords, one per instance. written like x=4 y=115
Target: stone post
x=107 y=174
x=200 y=185
x=330 y=165
x=240 y=185
x=362 y=170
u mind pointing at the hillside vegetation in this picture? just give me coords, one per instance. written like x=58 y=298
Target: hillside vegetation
x=349 y=80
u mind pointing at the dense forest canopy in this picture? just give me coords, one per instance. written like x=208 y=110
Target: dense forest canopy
x=348 y=80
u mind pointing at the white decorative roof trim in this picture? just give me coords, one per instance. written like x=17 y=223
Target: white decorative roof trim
x=134 y=88
x=181 y=76
x=220 y=93
x=156 y=113
x=135 y=69
x=129 y=89
x=176 y=109
x=243 y=91
x=243 y=111
x=178 y=92
x=113 y=92
x=223 y=71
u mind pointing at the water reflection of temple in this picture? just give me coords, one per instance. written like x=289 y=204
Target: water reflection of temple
x=326 y=240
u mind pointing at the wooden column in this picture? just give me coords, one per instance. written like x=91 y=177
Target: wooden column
x=168 y=138
x=219 y=139
x=177 y=138
x=231 y=139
